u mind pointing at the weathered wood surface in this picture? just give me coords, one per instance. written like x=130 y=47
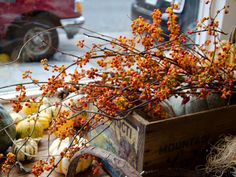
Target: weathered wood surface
x=116 y=162
x=43 y=151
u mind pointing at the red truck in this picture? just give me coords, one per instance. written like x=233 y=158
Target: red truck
x=33 y=23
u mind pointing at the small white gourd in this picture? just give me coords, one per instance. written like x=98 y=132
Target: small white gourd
x=25 y=148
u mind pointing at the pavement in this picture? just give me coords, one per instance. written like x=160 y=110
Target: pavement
x=108 y=17
x=12 y=74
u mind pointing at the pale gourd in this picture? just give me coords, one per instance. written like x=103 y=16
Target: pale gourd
x=44 y=100
x=25 y=149
x=51 y=110
x=58 y=146
x=71 y=98
x=46 y=110
x=194 y=104
x=28 y=127
x=58 y=109
x=54 y=110
x=16 y=117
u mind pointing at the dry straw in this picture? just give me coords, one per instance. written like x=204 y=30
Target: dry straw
x=222 y=158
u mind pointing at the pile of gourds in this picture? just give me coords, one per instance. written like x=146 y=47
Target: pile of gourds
x=28 y=126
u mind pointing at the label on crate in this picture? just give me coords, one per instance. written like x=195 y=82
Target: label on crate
x=119 y=137
x=125 y=130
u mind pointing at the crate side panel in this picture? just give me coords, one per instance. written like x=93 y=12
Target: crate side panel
x=182 y=142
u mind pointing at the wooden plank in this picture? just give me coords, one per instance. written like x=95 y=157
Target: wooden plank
x=182 y=141
x=43 y=150
x=140 y=123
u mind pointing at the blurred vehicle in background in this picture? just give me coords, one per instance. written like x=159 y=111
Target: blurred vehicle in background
x=187 y=12
x=31 y=23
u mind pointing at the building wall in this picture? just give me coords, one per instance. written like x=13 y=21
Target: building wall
x=227 y=22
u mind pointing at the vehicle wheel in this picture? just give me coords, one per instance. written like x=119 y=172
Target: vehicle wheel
x=18 y=54
x=37 y=42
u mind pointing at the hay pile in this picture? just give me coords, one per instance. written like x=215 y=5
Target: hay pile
x=222 y=157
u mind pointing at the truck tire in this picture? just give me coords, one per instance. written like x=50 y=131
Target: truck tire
x=38 y=40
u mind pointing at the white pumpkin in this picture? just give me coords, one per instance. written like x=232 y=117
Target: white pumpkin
x=60 y=108
x=70 y=100
x=73 y=97
x=25 y=148
x=44 y=100
x=47 y=107
x=58 y=146
x=194 y=104
x=16 y=117
x=51 y=110
x=46 y=110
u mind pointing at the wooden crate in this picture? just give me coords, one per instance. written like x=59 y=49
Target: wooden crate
x=179 y=142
